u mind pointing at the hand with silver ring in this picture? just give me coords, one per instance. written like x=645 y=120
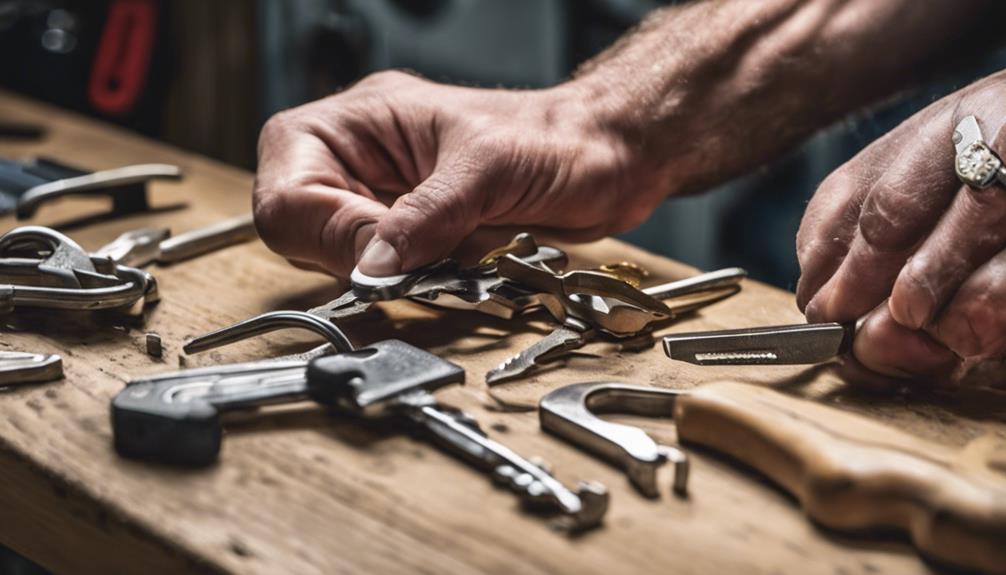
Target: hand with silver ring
x=911 y=234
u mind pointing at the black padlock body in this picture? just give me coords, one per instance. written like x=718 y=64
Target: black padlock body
x=146 y=426
x=373 y=376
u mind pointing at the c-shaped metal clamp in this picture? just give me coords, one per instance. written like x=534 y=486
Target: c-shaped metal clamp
x=571 y=412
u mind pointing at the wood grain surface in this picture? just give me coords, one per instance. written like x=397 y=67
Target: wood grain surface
x=299 y=491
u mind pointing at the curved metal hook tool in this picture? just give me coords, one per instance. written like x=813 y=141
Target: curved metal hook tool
x=269 y=322
x=40 y=267
x=571 y=413
x=118 y=183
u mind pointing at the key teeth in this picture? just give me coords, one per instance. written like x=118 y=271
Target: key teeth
x=500 y=372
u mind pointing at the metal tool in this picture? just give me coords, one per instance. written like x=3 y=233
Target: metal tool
x=144 y=246
x=40 y=267
x=18 y=367
x=777 y=345
x=582 y=312
x=848 y=472
x=571 y=413
x=175 y=417
x=267 y=323
x=127 y=186
x=446 y=284
x=393 y=378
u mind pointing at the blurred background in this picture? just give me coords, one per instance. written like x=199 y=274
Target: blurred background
x=204 y=75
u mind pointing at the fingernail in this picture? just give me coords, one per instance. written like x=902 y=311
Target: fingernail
x=380 y=259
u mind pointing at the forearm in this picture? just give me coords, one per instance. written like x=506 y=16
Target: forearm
x=707 y=90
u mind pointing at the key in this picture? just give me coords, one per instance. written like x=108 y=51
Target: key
x=777 y=345
x=557 y=343
x=677 y=297
x=392 y=378
x=144 y=246
x=446 y=284
x=175 y=417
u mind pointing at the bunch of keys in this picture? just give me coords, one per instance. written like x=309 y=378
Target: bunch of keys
x=40 y=267
x=175 y=417
x=588 y=304
x=447 y=284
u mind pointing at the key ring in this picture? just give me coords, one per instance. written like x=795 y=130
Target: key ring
x=976 y=164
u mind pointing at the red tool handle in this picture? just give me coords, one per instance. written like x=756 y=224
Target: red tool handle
x=123 y=58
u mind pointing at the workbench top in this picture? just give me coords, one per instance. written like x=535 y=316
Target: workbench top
x=297 y=490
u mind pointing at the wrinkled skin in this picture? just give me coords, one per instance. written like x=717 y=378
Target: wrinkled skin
x=893 y=235
x=424 y=165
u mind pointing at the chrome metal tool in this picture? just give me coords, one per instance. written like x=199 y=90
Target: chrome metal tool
x=144 y=246
x=40 y=267
x=127 y=186
x=18 y=367
x=446 y=284
x=583 y=315
x=571 y=412
x=776 y=345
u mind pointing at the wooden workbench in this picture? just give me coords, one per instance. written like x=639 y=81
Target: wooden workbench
x=299 y=491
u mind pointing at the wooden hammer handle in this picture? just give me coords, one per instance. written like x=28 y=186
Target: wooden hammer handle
x=850 y=473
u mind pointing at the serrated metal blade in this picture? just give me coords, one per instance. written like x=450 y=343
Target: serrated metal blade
x=553 y=345
x=777 y=345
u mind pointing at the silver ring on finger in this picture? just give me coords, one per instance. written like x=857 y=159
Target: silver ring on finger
x=977 y=165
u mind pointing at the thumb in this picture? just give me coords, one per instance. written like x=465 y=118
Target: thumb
x=427 y=223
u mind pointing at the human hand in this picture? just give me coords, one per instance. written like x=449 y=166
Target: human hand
x=395 y=172
x=893 y=235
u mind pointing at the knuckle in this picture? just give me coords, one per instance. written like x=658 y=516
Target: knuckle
x=972 y=329
x=278 y=123
x=269 y=209
x=881 y=221
x=916 y=278
x=386 y=78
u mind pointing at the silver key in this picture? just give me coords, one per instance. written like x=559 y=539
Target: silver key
x=393 y=378
x=536 y=486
